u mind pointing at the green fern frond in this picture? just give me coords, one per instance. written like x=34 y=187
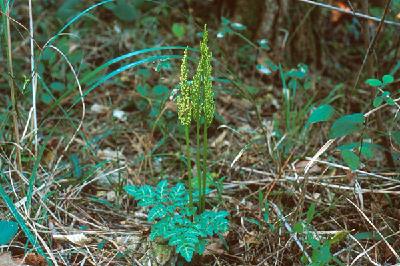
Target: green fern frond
x=172 y=218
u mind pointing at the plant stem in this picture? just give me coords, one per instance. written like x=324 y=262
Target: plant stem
x=12 y=88
x=189 y=167
x=198 y=165
x=34 y=79
x=286 y=98
x=204 y=181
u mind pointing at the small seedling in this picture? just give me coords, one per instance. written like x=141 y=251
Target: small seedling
x=382 y=95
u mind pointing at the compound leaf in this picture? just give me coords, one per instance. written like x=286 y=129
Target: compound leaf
x=186 y=251
x=157 y=212
x=162 y=189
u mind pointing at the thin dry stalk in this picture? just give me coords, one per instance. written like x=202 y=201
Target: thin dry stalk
x=34 y=79
x=13 y=90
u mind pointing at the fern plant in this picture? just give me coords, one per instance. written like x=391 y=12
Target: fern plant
x=172 y=209
x=174 y=219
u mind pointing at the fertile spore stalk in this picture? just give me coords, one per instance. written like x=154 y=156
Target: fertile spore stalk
x=197 y=101
x=196 y=113
x=184 y=114
x=208 y=106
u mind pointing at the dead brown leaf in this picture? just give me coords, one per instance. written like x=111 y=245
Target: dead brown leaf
x=300 y=166
x=35 y=260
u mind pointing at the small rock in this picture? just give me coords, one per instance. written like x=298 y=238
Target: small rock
x=120 y=115
x=98 y=108
x=111 y=196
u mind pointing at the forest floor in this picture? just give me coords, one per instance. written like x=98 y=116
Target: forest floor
x=293 y=196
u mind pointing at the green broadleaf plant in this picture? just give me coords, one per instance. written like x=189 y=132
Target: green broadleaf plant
x=374 y=82
x=396 y=137
x=174 y=219
x=351 y=159
x=321 y=113
x=178 y=29
x=381 y=95
x=8 y=230
x=346 y=125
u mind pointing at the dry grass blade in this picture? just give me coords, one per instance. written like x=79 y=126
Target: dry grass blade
x=376 y=229
x=318 y=154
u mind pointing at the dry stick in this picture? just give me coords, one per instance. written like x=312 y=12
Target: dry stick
x=13 y=90
x=385 y=141
x=290 y=230
x=372 y=44
x=370 y=112
x=356 y=14
x=300 y=206
x=82 y=100
x=34 y=79
x=376 y=229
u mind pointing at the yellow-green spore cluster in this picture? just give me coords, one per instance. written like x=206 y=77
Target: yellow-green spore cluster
x=197 y=99
x=184 y=101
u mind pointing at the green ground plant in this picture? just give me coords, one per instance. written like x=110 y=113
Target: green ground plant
x=350 y=124
x=172 y=210
x=175 y=221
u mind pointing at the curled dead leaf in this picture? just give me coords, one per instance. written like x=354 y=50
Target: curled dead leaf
x=301 y=165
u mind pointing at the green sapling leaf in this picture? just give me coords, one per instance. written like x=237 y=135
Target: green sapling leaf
x=238 y=26
x=178 y=29
x=374 y=82
x=310 y=213
x=377 y=101
x=396 y=137
x=298 y=227
x=387 y=79
x=346 y=125
x=351 y=159
x=321 y=113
